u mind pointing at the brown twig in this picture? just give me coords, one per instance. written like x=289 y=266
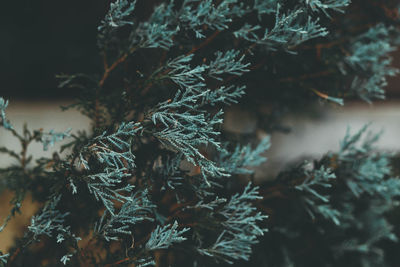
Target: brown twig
x=118 y=262
x=109 y=69
x=18 y=251
x=203 y=44
x=13 y=256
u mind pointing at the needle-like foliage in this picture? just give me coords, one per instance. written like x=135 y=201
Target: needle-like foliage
x=163 y=177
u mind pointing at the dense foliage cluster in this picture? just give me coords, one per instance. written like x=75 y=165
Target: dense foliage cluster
x=159 y=181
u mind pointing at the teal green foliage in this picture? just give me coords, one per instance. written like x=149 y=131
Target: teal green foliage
x=265 y=7
x=118 y=16
x=315 y=179
x=3 y=258
x=65 y=259
x=327 y=5
x=114 y=153
x=237 y=160
x=3 y=106
x=228 y=63
x=240 y=229
x=113 y=150
x=50 y=138
x=348 y=203
x=370 y=55
x=371 y=170
x=197 y=13
x=184 y=75
x=159 y=181
x=224 y=94
x=46 y=222
x=163 y=237
x=135 y=209
x=51 y=222
x=286 y=33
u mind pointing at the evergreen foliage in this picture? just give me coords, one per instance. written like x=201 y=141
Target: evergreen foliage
x=346 y=196
x=159 y=181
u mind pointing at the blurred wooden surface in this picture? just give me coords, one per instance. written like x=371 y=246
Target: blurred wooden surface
x=17 y=225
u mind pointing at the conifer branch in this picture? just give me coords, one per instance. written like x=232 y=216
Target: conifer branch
x=161 y=176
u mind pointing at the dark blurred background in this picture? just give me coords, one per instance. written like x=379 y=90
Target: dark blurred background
x=42 y=38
